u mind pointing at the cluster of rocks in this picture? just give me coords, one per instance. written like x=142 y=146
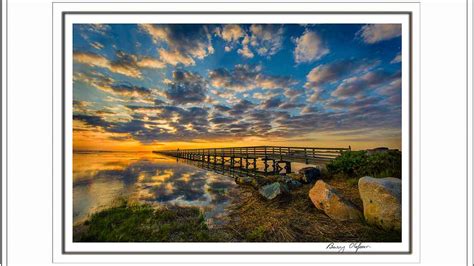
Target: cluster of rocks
x=381 y=198
x=273 y=187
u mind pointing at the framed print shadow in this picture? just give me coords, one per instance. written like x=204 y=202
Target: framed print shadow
x=229 y=132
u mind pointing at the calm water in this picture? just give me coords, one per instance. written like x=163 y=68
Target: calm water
x=102 y=177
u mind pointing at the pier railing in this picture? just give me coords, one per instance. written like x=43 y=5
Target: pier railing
x=308 y=155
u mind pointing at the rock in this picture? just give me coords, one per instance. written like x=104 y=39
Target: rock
x=294 y=176
x=273 y=190
x=244 y=180
x=293 y=184
x=382 y=201
x=290 y=182
x=309 y=174
x=331 y=202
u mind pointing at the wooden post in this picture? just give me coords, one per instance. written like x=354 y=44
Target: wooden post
x=305 y=156
x=288 y=167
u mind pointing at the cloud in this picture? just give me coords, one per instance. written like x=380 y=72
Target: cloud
x=334 y=72
x=290 y=105
x=148 y=124
x=354 y=104
x=185 y=42
x=231 y=33
x=354 y=86
x=396 y=59
x=311 y=109
x=247 y=77
x=374 y=33
x=273 y=102
x=245 y=51
x=148 y=62
x=241 y=107
x=323 y=74
x=186 y=87
x=130 y=90
x=309 y=48
x=222 y=120
x=101 y=29
x=394 y=87
x=175 y=57
x=222 y=108
x=82 y=107
x=92 y=120
x=91 y=59
x=97 y=45
x=124 y=65
x=295 y=99
x=267 y=39
x=111 y=86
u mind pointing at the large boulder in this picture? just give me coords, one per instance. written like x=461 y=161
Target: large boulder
x=330 y=201
x=309 y=174
x=382 y=201
x=273 y=190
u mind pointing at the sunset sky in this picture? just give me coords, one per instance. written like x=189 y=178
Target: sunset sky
x=147 y=87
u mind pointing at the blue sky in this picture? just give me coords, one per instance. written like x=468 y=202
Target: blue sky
x=201 y=85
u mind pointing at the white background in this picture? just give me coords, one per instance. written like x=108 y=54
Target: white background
x=443 y=137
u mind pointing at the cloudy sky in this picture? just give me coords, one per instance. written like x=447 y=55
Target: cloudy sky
x=143 y=87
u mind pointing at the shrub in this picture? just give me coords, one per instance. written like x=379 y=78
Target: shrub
x=355 y=164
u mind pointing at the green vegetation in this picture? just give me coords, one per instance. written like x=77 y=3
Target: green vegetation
x=352 y=181
x=356 y=164
x=257 y=234
x=143 y=223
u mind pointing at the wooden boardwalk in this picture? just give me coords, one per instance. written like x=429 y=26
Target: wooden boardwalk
x=246 y=157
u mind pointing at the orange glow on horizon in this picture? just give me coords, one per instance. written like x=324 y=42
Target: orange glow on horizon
x=104 y=141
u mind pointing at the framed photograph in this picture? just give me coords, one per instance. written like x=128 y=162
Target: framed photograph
x=235 y=129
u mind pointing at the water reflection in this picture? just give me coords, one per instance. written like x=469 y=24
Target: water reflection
x=102 y=177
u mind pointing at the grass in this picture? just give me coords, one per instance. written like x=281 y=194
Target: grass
x=143 y=223
x=257 y=234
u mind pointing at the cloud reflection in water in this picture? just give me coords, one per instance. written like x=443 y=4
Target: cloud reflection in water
x=102 y=177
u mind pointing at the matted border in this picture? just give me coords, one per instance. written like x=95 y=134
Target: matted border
x=410 y=117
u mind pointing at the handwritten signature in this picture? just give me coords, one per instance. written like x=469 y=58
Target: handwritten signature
x=355 y=247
